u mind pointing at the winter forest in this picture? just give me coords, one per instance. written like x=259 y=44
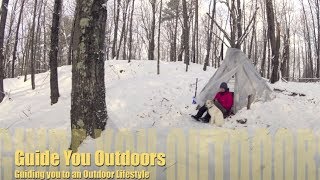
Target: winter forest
x=280 y=37
x=276 y=34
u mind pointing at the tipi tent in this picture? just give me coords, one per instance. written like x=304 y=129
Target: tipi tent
x=248 y=81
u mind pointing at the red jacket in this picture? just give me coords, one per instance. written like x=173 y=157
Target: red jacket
x=225 y=99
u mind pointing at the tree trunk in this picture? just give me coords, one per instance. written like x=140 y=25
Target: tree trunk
x=309 y=65
x=88 y=106
x=54 y=86
x=264 y=54
x=27 y=61
x=115 y=32
x=123 y=29
x=45 y=33
x=274 y=41
x=4 y=12
x=37 y=49
x=159 y=32
x=318 y=23
x=195 y=33
x=32 y=62
x=286 y=55
x=151 y=35
x=294 y=56
x=71 y=42
x=239 y=22
x=186 y=34
x=174 y=45
x=9 y=38
x=206 y=60
x=316 y=48
x=130 y=32
x=180 y=54
x=16 y=40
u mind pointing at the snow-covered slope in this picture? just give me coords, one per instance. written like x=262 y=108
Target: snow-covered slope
x=138 y=98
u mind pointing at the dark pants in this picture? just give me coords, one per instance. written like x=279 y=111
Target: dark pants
x=204 y=109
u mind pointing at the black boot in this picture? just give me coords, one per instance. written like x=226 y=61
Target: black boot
x=195 y=117
x=201 y=111
x=206 y=118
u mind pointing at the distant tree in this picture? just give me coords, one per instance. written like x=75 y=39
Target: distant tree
x=171 y=17
x=186 y=34
x=130 y=31
x=195 y=36
x=4 y=12
x=152 y=31
x=206 y=61
x=9 y=37
x=159 y=33
x=274 y=37
x=124 y=30
x=15 y=47
x=116 y=27
x=32 y=62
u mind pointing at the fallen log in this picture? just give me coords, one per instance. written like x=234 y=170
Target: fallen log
x=289 y=93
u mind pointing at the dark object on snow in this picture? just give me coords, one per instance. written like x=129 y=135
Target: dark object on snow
x=284 y=91
x=204 y=120
x=195 y=117
x=121 y=71
x=242 y=121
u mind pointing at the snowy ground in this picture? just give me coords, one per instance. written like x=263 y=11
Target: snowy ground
x=138 y=98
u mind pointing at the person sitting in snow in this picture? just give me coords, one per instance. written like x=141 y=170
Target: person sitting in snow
x=223 y=100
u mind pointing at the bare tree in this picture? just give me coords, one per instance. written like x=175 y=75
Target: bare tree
x=159 y=32
x=16 y=39
x=4 y=12
x=195 y=36
x=274 y=41
x=115 y=32
x=9 y=39
x=318 y=32
x=309 y=65
x=206 y=61
x=54 y=86
x=130 y=31
x=124 y=27
x=32 y=62
x=186 y=34
x=152 y=31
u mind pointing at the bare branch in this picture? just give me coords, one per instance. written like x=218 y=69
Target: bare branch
x=220 y=39
x=221 y=29
x=248 y=29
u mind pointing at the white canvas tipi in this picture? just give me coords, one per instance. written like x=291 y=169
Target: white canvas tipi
x=248 y=81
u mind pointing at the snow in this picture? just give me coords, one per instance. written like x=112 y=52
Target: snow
x=138 y=98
